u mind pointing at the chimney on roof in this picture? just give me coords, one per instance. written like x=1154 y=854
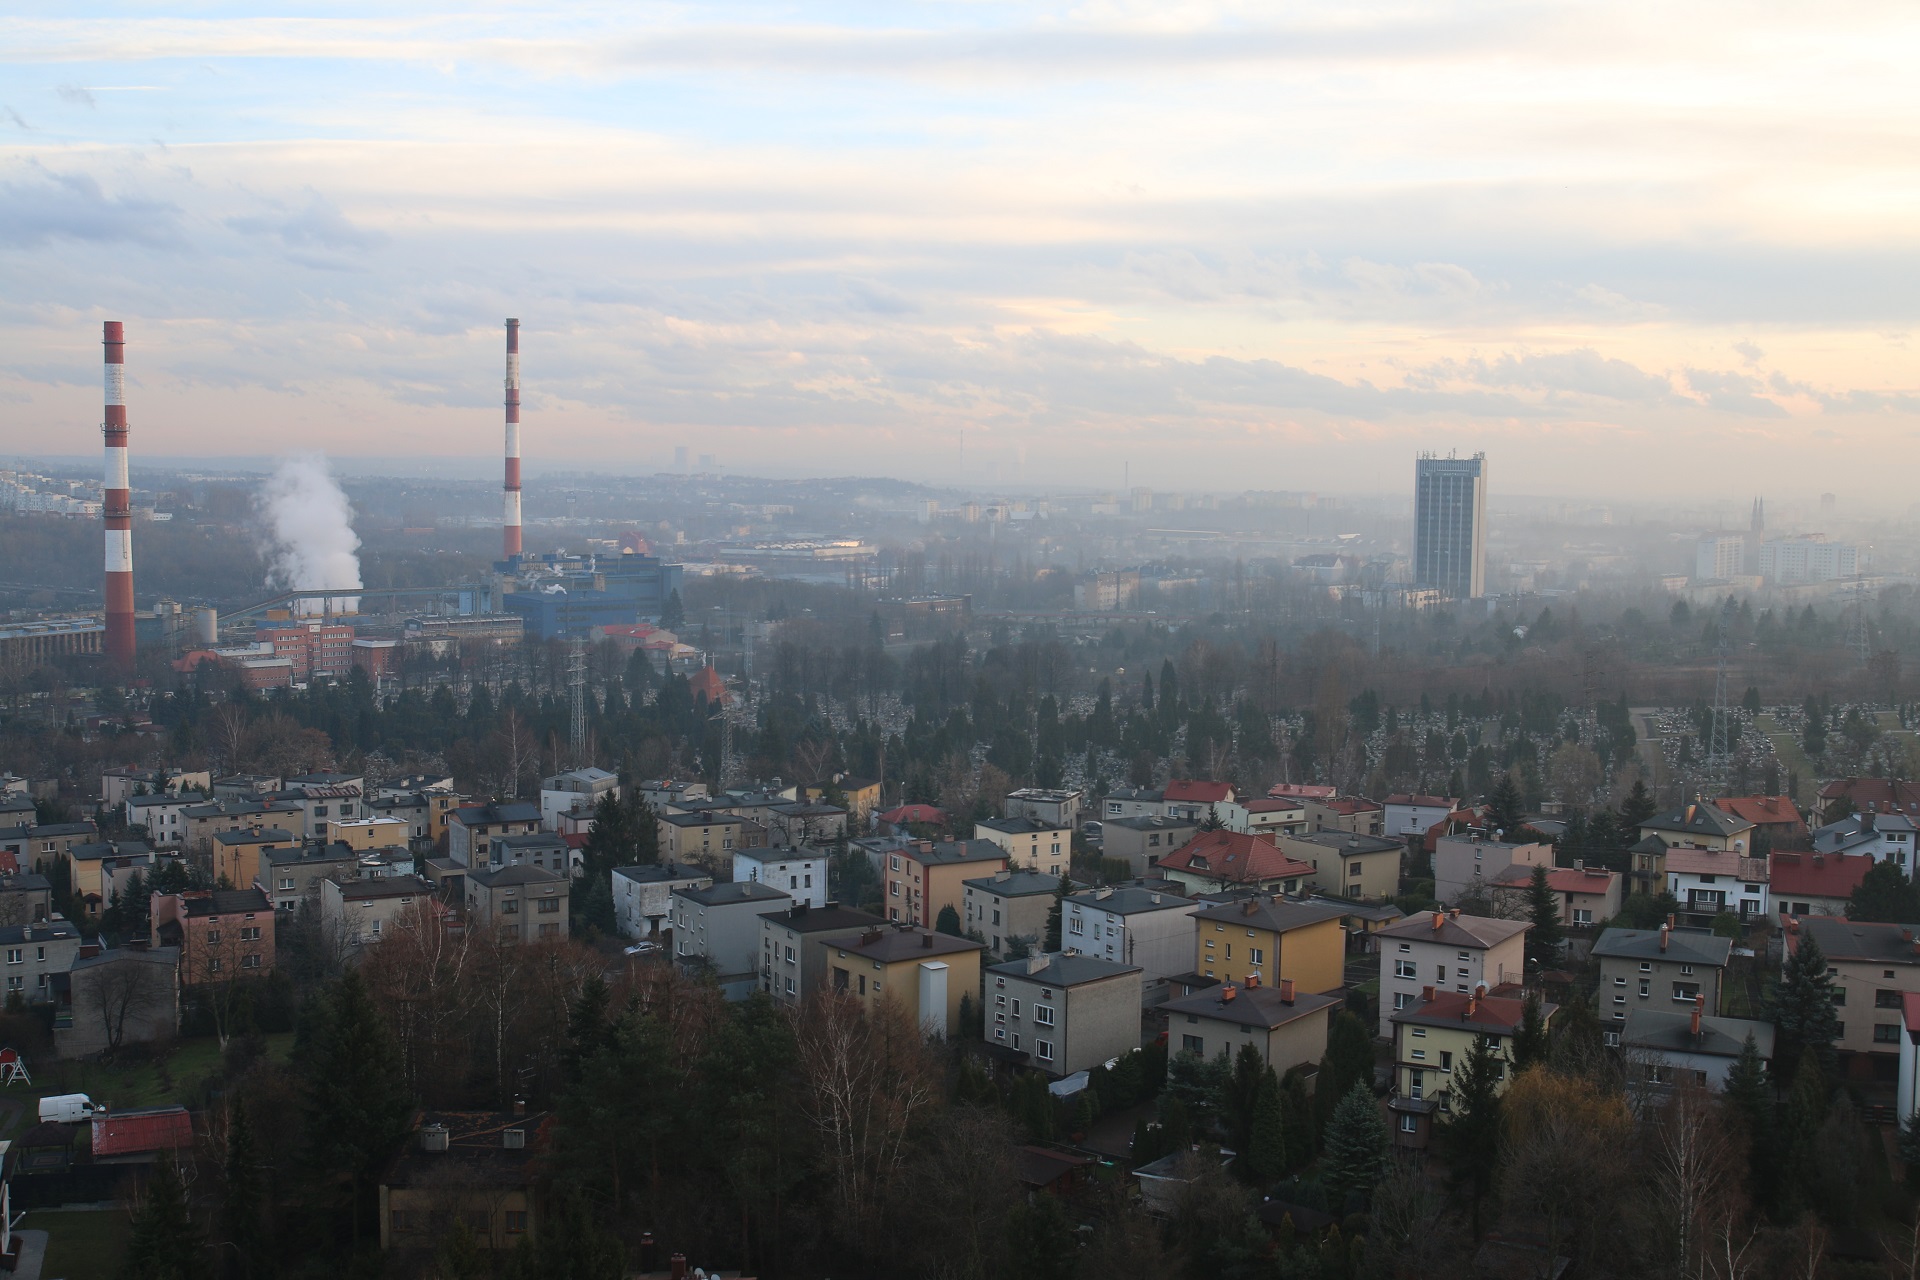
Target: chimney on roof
x=1672 y=920
x=1439 y=918
x=1819 y=859
x=1154 y=898
x=1665 y=930
x=1286 y=991
x=677 y=1267
x=1227 y=992
x=1454 y=914
x=1699 y=1005
x=1248 y=907
x=926 y=940
x=1473 y=1006
x=1579 y=864
x=1426 y=994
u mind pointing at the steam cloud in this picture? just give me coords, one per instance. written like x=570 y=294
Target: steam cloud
x=311 y=545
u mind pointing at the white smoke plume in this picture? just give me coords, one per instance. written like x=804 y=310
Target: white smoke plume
x=311 y=545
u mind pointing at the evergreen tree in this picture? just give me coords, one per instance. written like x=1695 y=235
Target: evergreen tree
x=1060 y=892
x=1749 y=1098
x=241 y=1205
x=1040 y=1236
x=1885 y=895
x=1265 y=1154
x=673 y=614
x=1636 y=809
x=1472 y=1135
x=1355 y=1158
x=357 y=1107
x=1298 y=1130
x=1530 y=1042
x=573 y=1245
x=948 y=922
x=1801 y=1004
x=1348 y=1061
x=1506 y=811
x=165 y=1245
x=1242 y=1090
x=1543 y=911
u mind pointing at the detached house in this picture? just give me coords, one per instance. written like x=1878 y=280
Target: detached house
x=522 y=901
x=1228 y=860
x=1346 y=865
x=798 y=871
x=472 y=830
x=1586 y=895
x=794 y=942
x=718 y=928
x=1668 y=1048
x=1874 y=967
x=1437 y=950
x=1271 y=940
x=1431 y=1040
x=1030 y=844
x=1194 y=799
x=1286 y=1026
x=1709 y=881
x=1141 y=842
x=1355 y=815
x=1814 y=884
x=1064 y=1012
x=643 y=895
x=1664 y=968
x=221 y=934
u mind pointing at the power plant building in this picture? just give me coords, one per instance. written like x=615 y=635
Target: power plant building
x=1450 y=525
x=562 y=596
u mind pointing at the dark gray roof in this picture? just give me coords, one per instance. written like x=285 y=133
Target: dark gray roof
x=662 y=872
x=1267 y=913
x=1130 y=900
x=1843 y=939
x=804 y=919
x=1019 y=826
x=1017 y=884
x=226 y=902
x=385 y=887
x=1347 y=842
x=515 y=873
x=473 y=815
x=1153 y=822
x=531 y=840
x=265 y=835
x=777 y=853
x=701 y=819
x=169 y=956
x=110 y=849
x=25 y=882
x=1699 y=820
x=1684 y=946
x=1065 y=969
x=290 y=854
x=908 y=944
x=54 y=930
x=1673 y=1033
x=1250 y=1006
x=1139 y=795
x=723 y=895
x=947 y=852
x=1455 y=931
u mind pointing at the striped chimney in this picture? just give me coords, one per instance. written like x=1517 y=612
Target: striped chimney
x=118 y=587
x=511 y=537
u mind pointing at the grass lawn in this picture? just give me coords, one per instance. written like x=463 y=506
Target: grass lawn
x=82 y=1245
x=173 y=1076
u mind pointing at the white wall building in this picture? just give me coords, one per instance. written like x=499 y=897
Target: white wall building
x=1143 y=927
x=800 y=873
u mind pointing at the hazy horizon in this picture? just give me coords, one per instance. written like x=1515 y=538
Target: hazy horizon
x=1631 y=253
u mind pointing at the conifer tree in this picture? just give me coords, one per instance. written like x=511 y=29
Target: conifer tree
x=166 y=1244
x=1355 y=1156
x=240 y=1208
x=1530 y=1041
x=948 y=922
x=1472 y=1134
x=1505 y=809
x=1266 y=1150
x=357 y=1107
x=1801 y=1004
x=1543 y=912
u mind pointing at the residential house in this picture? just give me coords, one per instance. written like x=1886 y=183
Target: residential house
x=1776 y=820
x=38 y=845
x=1194 y=798
x=1884 y=837
x=1271 y=940
x=1132 y=802
x=1030 y=845
x=118 y=785
x=794 y=942
x=574 y=791
x=1586 y=895
x=1873 y=967
x=643 y=896
x=1667 y=1048
x=1409 y=814
x=710 y=837
x=204 y=820
x=665 y=793
x=1269 y=816
x=1141 y=842
x=1662 y=968
x=164 y=816
x=1346 y=865
x=37 y=957
x=119 y=997
x=26 y=897
x=221 y=933
x=1214 y=861
x=899 y=819
x=541 y=849
x=1063 y=1011
x=1286 y=1026
x=1701 y=826
x=100 y=870
x=245 y=786
x=1302 y=791
x=324 y=799
x=292 y=874
x=427 y=812
x=236 y=855
x=1052 y=806
x=1355 y=815
x=370 y=833
x=860 y=796
x=1150 y=928
x=520 y=902
x=473 y=828
x=1442 y=949
x=1461 y=861
x=798 y=871
x=718 y=928
x=920 y=877
x=927 y=973
x=355 y=914
x=1009 y=909
x=805 y=822
x=1432 y=1038
x=1709 y=881
x=1871 y=795
x=486 y=1170
x=1814 y=884
x=1647 y=866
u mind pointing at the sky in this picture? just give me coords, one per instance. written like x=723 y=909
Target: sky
x=1626 y=249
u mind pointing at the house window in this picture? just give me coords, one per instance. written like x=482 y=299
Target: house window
x=1419 y=1055
x=1686 y=991
x=1256 y=955
x=1420 y=1033
x=1646 y=988
x=511 y=907
x=1582 y=916
x=1839 y=997
x=1646 y=966
x=1016 y=1008
x=1886 y=1033
x=1418 y=1081
x=549 y=906
x=1406 y=946
x=250 y=961
x=516 y=1222
x=1884 y=999
x=1686 y=971
x=1619 y=982
x=1044 y=1049
x=549 y=930
x=1401 y=1000
x=1409 y=1124
x=250 y=934
x=1405 y=969
x=1192 y=1044
x=15 y=955
x=1043 y=1014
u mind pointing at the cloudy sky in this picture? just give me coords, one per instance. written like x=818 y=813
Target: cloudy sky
x=1622 y=247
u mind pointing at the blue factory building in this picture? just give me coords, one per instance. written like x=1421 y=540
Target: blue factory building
x=560 y=596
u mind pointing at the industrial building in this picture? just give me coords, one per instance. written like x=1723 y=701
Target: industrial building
x=559 y=596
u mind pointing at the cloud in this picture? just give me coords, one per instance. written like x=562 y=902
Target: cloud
x=1748 y=352
x=72 y=206
x=15 y=117
x=314 y=235
x=1582 y=372
x=1732 y=393
x=74 y=95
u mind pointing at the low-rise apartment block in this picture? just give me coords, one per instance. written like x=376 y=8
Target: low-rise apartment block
x=1269 y=940
x=718 y=928
x=1150 y=928
x=1064 y=1011
x=926 y=973
x=1444 y=949
x=1009 y=909
x=1664 y=968
x=1030 y=845
x=1287 y=1027
x=800 y=872
x=643 y=896
x=920 y=877
x=520 y=902
x=794 y=943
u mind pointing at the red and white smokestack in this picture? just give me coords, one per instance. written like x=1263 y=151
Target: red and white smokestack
x=511 y=538
x=118 y=587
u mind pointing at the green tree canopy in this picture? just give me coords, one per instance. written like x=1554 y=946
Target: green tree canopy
x=1885 y=895
x=1801 y=1004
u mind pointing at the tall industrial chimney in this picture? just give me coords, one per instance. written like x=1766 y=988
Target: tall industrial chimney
x=118 y=587
x=511 y=536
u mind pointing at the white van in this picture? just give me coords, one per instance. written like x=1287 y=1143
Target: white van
x=67 y=1108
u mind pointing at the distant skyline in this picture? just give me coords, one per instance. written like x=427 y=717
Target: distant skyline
x=1629 y=251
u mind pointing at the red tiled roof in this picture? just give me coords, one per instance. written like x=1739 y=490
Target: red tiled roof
x=1879 y=792
x=1560 y=879
x=1302 y=790
x=707 y=681
x=1234 y=856
x=1349 y=804
x=1501 y=1012
x=1197 y=790
x=1273 y=804
x=1424 y=802
x=1818 y=875
x=125 y=1133
x=915 y=813
x=1761 y=811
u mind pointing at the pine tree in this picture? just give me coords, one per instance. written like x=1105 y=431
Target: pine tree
x=1885 y=895
x=948 y=922
x=1299 y=1130
x=1265 y=1153
x=1054 y=913
x=673 y=614
x=1472 y=1135
x=357 y=1107
x=1505 y=808
x=166 y=1244
x=1543 y=911
x=1530 y=1042
x=1801 y=1004
x=1348 y=1061
x=1749 y=1097
x=1041 y=1236
x=1355 y=1158
x=1637 y=808
x=1242 y=1091
x=240 y=1209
